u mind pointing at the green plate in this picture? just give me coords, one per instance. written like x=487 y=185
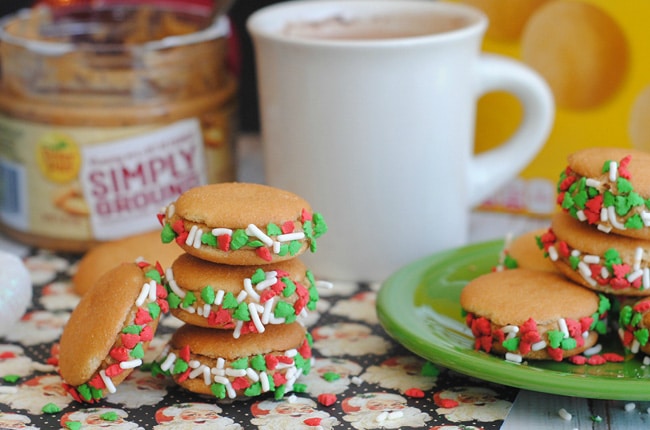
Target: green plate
x=419 y=307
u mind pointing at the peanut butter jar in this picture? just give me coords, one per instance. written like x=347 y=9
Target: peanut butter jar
x=106 y=115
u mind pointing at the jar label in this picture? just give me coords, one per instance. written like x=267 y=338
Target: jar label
x=87 y=183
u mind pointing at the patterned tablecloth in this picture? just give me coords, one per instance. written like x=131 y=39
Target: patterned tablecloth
x=377 y=384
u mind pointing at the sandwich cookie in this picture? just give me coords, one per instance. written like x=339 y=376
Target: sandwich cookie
x=607 y=263
x=110 y=329
x=243 y=299
x=634 y=326
x=208 y=361
x=528 y=314
x=608 y=188
x=524 y=251
x=241 y=224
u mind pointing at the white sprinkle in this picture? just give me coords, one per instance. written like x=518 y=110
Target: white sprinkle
x=538 y=346
x=248 y=287
x=510 y=329
x=241 y=296
x=646 y=278
x=218 y=372
x=131 y=364
x=175 y=288
x=564 y=414
x=593 y=350
x=585 y=271
x=221 y=380
x=198 y=371
x=218 y=298
x=108 y=382
x=382 y=417
x=200 y=313
x=221 y=231
x=264 y=379
x=630 y=406
x=206 y=375
x=291 y=353
x=266 y=283
x=635 y=275
x=8 y=390
x=292 y=398
x=634 y=348
x=252 y=375
x=611 y=211
x=575 y=253
x=298 y=235
x=171 y=210
x=515 y=358
x=613 y=171
x=221 y=363
x=604 y=215
x=591 y=259
x=189 y=240
x=581 y=215
x=563 y=327
x=253 y=230
x=604 y=228
x=168 y=362
x=268 y=308
x=277 y=247
x=645 y=216
x=255 y=317
x=395 y=415
x=188 y=309
x=276 y=320
x=638 y=257
x=646 y=360
x=194 y=364
x=235 y=372
x=604 y=273
x=153 y=290
x=552 y=253
x=144 y=293
x=591 y=182
x=197 y=238
x=237 y=331
x=356 y=380
x=324 y=285
x=206 y=310
x=231 y=391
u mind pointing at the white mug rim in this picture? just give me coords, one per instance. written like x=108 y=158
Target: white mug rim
x=268 y=21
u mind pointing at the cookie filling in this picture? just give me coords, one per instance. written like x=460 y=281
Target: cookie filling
x=608 y=201
x=267 y=297
x=281 y=240
x=632 y=330
x=607 y=270
x=128 y=350
x=275 y=372
x=520 y=340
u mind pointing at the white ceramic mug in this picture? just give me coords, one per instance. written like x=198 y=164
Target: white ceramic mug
x=368 y=111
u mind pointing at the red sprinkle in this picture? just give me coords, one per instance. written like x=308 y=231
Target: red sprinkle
x=306 y=215
x=414 y=392
x=223 y=242
x=327 y=399
x=130 y=340
x=113 y=370
x=596 y=360
x=271 y=361
x=184 y=353
x=578 y=359
x=264 y=253
x=279 y=379
x=120 y=354
x=613 y=357
x=183 y=376
x=241 y=383
x=287 y=227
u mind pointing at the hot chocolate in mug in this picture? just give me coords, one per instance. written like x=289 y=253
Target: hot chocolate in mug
x=368 y=111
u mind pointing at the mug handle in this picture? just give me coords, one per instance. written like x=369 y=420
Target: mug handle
x=491 y=169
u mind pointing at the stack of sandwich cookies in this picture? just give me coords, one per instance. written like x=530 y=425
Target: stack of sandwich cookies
x=109 y=330
x=240 y=288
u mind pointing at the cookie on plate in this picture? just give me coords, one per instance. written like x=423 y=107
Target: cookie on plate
x=608 y=188
x=528 y=314
x=241 y=223
x=525 y=252
x=98 y=260
x=109 y=330
x=243 y=299
x=209 y=361
x=634 y=326
x=607 y=263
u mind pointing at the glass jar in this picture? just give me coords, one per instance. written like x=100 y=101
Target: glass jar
x=107 y=114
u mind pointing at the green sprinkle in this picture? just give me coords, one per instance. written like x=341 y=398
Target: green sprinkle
x=137 y=351
x=320 y=227
x=242 y=313
x=555 y=338
x=51 y=408
x=167 y=234
x=331 y=376
x=604 y=304
x=229 y=301
x=429 y=369
x=154 y=309
x=567 y=201
x=11 y=379
x=608 y=199
x=208 y=294
x=273 y=230
x=283 y=310
x=580 y=199
x=612 y=257
x=242 y=363
x=156 y=370
x=284 y=250
x=239 y=239
x=255 y=244
x=154 y=275
x=596 y=418
x=568 y=343
x=110 y=416
x=189 y=299
x=623 y=185
x=294 y=247
x=209 y=239
x=84 y=392
x=258 y=363
x=605 y=168
x=73 y=425
x=180 y=366
x=308 y=229
x=642 y=336
x=635 y=222
x=289 y=288
x=300 y=388
x=510 y=262
x=258 y=276
x=511 y=344
x=279 y=391
x=253 y=390
x=219 y=390
x=625 y=315
x=132 y=329
x=310 y=278
x=173 y=300
x=574 y=261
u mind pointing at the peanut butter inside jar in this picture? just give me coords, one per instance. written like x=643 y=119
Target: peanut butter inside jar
x=106 y=115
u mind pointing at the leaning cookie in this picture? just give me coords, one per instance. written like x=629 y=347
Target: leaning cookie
x=208 y=361
x=606 y=263
x=243 y=299
x=609 y=189
x=526 y=314
x=634 y=326
x=524 y=251
x=109 y=330
x=241 y=224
